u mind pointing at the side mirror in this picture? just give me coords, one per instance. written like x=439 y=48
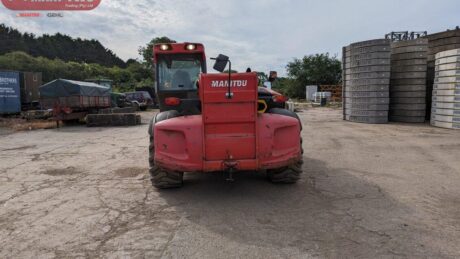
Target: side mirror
x=273 y=76
x=221 y=62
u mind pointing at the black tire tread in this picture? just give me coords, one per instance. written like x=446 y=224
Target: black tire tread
x=162 y=178
x=290 y=174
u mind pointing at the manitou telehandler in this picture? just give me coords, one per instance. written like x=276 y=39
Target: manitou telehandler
x=218 y=122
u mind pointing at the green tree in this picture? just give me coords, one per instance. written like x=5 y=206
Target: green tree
x=318 y=69
x=124 y=79
x=58 y=46
x=147 y=51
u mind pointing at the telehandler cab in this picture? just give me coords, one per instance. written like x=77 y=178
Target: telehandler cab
x=217 y=122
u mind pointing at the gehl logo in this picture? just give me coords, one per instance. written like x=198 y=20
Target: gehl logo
x=233 y=83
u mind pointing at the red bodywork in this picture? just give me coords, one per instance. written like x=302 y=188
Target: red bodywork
x=230 y=133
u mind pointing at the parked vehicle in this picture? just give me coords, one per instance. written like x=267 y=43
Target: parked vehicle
x=72 y=100
x=119 y=100
x=141 y=99
x=30 y=94
x=151 y=91
x=211 y=122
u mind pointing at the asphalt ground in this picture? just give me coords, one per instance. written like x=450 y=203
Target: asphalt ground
x=368 y=191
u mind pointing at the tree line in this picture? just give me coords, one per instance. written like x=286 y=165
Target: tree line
x=59 y=46
x=125 y=79
x=60 y=56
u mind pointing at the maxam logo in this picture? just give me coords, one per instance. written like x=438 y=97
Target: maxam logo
x=233 y=83
x=49 y=5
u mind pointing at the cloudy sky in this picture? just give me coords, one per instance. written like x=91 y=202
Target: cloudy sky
x=262 y=34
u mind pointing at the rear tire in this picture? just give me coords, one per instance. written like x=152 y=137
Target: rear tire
x=290 y=174
x=285 y=112
x=160 y=177
x=136 y=106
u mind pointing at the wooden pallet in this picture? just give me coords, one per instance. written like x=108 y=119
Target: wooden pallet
x=335 y=90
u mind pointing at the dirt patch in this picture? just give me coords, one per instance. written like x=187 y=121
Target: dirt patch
x=131 y=172
x=63 y=171
x=18 y=124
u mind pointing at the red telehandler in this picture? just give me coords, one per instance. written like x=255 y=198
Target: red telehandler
x=217 y=122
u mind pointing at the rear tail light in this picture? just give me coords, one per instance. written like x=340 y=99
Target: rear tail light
x=172 y=101
x=280 y=99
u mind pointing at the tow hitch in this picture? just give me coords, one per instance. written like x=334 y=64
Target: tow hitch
x=230 y=167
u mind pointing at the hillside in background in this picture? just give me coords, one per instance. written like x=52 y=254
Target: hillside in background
x=58 y=46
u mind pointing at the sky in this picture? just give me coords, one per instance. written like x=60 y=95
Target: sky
x=262 y=34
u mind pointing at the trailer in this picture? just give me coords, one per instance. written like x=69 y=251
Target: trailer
x=30 y=94
x=10 y=94
x=72 y=100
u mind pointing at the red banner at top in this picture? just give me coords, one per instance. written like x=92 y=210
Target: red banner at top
x=54 y=5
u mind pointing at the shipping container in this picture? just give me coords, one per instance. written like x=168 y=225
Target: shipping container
x=10 y=95
x=30 y=84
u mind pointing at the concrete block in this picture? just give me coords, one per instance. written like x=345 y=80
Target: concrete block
x=407 y=43
x=366 y=113
x=445 y=105
x=446 y=99
x=366 y=94
x=411 y=81
x=366 y=106
x=370 y=100
x=446 y=112
x=367 y=62
x=369 y=43
x=447 y=73
x=447 y=60
x=409 y=68
x=368 y=75
x=368 y=69
x=407 y=88
x=445 y=118
x=450 y=66
x=447 y=125
x=409 y=49
x=446 y=92
x=367 y=88
x=409 y=62
x=446 y=86
x=409 y=107
x=448 y=53
x=407 y=119
x=367 y=49
x=413 y=94
x=407 y=100
x=355 y=82
x=374 y=55
x=408 y=113
x=408 y=75
x=405 y=56
x=367 y=119
x=104 y=120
